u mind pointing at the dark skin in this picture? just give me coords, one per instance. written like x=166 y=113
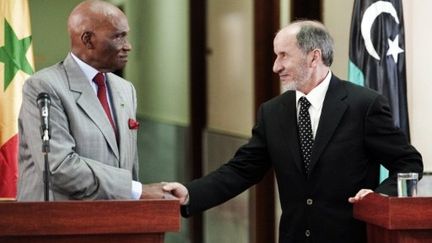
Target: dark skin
x=98 y=33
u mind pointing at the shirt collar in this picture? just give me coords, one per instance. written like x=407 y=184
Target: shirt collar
x=316 y=95
x=89 y=71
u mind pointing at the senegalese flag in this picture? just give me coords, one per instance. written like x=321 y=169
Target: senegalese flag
x=16 y=64
x=377 y=55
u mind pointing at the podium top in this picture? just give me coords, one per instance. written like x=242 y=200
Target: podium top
x=89 y=217
x=395 y=213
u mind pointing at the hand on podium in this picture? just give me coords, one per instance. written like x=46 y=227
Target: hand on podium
x=359 y=196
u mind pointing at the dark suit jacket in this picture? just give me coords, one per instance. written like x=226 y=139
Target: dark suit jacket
x=355 y=134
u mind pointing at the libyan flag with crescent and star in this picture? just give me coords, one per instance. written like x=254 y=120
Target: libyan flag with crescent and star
x=16 y=64
x=377 y=55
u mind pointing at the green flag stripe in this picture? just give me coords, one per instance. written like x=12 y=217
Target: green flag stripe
x=13 y=54
x=355 y=75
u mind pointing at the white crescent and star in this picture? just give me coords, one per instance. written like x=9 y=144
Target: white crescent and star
x=369 y=16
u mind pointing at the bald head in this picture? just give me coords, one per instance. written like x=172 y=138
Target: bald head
x=90 y=15
x=95 y=29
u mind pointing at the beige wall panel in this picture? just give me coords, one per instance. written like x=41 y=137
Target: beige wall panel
x=337 y=18
x=230 y=72
x=418 y=36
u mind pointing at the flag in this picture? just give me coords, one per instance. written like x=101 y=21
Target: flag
x=377 y=55
x=16 y=64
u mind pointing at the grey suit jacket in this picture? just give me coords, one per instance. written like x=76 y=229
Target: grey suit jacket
x=85 y=160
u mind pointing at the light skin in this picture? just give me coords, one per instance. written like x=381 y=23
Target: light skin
x=177 y=190
x=297 y=71
x=98 y=32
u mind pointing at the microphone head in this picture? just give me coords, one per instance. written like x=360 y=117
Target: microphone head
x=43 y=99
x=43 y=95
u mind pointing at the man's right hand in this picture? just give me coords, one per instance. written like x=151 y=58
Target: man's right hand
x=177 y=190
x=152 y=191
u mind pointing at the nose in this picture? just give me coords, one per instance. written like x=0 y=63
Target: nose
x=276 y=66
x=127 y=46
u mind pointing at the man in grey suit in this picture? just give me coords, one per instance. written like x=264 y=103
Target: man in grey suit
x=93 y=131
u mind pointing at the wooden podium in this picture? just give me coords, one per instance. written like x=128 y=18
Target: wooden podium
x=88 y=221
x=396 y=220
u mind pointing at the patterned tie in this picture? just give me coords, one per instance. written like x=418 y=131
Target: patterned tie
x=99 y=79
x=305 y=132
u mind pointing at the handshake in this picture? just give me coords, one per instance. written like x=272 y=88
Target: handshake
x=167 y=190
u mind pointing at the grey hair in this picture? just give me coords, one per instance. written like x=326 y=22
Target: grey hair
x=313 y=35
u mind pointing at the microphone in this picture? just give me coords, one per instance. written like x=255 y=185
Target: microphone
x=43 y=100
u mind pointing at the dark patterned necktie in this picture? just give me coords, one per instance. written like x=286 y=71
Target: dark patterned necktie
x=305 y=132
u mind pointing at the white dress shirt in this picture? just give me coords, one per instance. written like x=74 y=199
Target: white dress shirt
x=316 y=98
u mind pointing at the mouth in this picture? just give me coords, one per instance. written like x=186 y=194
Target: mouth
x=123 y=58
x=283 y=77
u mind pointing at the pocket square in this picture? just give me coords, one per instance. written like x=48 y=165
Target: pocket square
x=133 y=124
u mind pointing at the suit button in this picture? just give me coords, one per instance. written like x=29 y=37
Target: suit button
x=309 y=201
x=307 y=233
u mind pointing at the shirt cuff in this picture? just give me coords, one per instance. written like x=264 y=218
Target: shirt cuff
x=187 y=202
x=136 y=190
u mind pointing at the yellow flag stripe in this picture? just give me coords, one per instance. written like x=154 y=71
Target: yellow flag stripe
x=16 y=12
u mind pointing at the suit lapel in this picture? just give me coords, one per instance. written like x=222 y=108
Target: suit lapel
x=288 y=124
x=118 y=105
x=333 y=109
x=86 y=99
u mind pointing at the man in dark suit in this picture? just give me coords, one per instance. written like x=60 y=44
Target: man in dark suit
x=325 y=139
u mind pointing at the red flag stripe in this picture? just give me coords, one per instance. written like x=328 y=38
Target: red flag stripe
x=9 y=168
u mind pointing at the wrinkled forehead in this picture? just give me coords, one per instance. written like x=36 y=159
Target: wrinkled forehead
x=113 y=23
x=289 y=31
x=286 y=36
x=117 y=21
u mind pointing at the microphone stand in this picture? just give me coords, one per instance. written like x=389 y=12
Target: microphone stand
x=46 y=175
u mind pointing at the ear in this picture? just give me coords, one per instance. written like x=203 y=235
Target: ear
x=316 y=57
x=86 y=39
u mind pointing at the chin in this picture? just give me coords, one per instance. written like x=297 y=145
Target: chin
x=288 y=86
x=120 y=66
